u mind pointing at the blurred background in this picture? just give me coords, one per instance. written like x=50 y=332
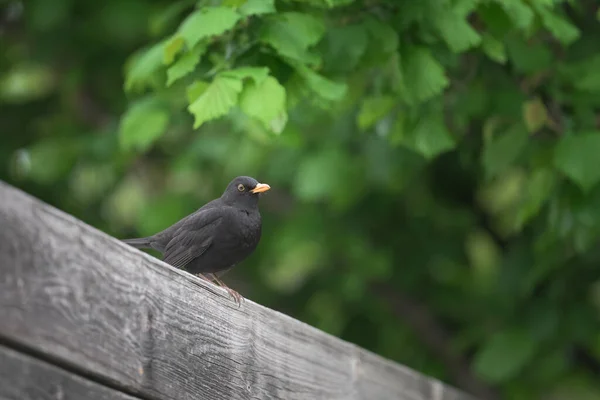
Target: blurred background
x=434 y=165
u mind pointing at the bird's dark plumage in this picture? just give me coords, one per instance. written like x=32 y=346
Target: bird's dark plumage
x=217 y=236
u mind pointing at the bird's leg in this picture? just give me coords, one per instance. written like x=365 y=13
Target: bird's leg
x=236 y=296
x=201 y=276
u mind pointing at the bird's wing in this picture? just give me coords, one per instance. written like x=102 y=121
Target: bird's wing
x=192 y=238
x=161 y=240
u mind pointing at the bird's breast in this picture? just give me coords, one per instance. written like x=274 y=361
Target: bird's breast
x=249 y=229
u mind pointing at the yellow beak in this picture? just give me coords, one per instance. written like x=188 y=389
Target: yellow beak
x=260 y=188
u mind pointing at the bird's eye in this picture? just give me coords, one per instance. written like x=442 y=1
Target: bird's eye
x=241 y=187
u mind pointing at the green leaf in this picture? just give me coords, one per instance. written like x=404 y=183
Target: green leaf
x=257 y=74
x=535 y=115
x=528 y=57
x=484 y=256
x=345 y=46
x=504 y=355
x=494 y=48
x=163 y=17
x=215 y=100
x=382 y=35
x=496 y=19
x=539 y=189
x=455 y=30
x=382 y=42
x=562 y=29
x=577 y=157
x=500 y=152
x=142 y=124
x=430 y=137
x=233 y=3
x=143 y=65
x=195 y=90
x=185 y=64
x=325 y=88
x=585 y=74
x=292 y=33
x=173 y=46
x=519 y=12
x=373 y=109
x=463 y=8
x=207 y=22
x=265 y=101
x=424 y=77
x=257 y=7
x=500 y=196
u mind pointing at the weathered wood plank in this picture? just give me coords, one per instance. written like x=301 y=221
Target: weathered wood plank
x=75 y=294
x=23 y=377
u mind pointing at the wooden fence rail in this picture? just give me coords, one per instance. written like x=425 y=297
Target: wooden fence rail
x=83 y=316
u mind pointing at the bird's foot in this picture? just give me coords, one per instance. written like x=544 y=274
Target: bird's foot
x=236 y=296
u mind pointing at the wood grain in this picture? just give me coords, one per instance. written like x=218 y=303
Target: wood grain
x=23 y=377
x=88 y=301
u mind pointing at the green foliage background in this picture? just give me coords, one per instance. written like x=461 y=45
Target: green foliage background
x=434 y=163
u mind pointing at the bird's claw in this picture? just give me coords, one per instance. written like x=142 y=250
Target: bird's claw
x=236 y=296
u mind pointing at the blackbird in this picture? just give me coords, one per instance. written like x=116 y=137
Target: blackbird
x=215 y=237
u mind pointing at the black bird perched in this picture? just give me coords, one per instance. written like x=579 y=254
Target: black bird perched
x=215 y=237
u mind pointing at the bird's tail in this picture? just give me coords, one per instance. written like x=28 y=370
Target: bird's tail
x=139 y=243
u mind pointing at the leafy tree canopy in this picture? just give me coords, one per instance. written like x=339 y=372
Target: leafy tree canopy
x=435 y=164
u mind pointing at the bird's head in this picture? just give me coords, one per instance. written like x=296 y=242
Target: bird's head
x=243 y=192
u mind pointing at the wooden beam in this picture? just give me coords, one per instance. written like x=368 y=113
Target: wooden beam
x=23 y=377
x=78 y=296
